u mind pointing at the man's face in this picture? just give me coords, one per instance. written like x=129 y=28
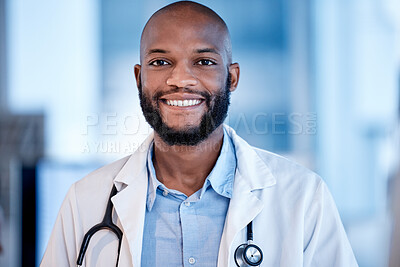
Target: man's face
x=184 y=79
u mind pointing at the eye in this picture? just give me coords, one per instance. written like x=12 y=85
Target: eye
x=205 y=62
x=159 y=62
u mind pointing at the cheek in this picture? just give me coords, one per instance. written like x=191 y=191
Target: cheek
x=153 y=80
x=213 y=80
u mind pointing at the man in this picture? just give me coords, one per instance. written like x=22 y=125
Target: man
x=194 y=191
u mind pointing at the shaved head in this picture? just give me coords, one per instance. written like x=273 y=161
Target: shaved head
x=187 y=14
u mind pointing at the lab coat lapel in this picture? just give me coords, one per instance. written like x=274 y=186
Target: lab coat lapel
x=251 y=174
x=242 y=210
x=130 y=201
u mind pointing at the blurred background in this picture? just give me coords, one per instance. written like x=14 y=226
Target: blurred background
x=319 y=84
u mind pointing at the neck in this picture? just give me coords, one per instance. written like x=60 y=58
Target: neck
x=185 y=168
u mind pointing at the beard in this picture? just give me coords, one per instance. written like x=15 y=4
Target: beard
x=217 y=105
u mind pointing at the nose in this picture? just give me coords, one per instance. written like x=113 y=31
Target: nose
x=181 y=77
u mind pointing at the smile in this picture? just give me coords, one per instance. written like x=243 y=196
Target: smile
x=183 y=103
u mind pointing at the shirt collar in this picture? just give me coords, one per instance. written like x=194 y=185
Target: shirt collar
x=220 y=178
x=222 y=175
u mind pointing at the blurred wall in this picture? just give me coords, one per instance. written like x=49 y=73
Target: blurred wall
x=319 y=84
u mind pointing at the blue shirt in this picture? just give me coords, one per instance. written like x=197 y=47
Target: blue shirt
x=186 y=231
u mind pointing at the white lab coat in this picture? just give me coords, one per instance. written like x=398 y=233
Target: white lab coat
x=295 y=220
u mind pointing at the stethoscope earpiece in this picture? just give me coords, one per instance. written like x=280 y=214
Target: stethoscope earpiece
x=248 y=254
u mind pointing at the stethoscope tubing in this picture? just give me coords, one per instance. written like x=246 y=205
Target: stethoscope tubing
x=106 y=223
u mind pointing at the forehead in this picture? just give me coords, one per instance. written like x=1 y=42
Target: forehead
x=183 y=32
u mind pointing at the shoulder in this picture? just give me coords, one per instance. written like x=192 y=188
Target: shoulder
x=286 y=174
x=294 y=182
x=94 y=188
x=285 y=169
x=101 y=178
x=86 y=198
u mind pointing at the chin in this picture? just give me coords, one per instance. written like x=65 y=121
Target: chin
x=182 y=123
x=184 y=127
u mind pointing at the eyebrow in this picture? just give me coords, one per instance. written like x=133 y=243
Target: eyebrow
x=155 y=51
x=207 y=50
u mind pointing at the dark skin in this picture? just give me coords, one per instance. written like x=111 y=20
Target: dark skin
x=184 y=48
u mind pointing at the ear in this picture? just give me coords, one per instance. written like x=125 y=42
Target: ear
x=137 y=70
x=234 y=71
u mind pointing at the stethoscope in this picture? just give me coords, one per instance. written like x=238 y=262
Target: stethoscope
x=246 y=255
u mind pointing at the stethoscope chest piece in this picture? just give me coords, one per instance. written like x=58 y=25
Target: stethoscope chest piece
x=247 y=255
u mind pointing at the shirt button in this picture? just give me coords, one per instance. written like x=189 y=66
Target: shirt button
x=192 y=260
x=187 y=204
x=165 y=193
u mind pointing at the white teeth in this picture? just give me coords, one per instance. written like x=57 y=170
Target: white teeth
x=183 y=103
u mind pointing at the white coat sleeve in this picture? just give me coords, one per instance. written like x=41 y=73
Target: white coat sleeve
x=62 y=246
x=325 y=240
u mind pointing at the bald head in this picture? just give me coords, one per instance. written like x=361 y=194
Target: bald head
x=186 y=16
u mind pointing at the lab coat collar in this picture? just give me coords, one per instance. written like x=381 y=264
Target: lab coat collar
x=135 y=165
x=250 y=164
x=130 y=201
x=255 y=171
x=252 y=174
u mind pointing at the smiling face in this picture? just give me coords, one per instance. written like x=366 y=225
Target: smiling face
x=186 y=75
